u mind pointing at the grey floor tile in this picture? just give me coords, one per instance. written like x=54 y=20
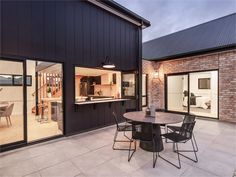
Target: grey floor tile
x=106 y=170
x=196 y=172
x=65 y=169
x=18 y=169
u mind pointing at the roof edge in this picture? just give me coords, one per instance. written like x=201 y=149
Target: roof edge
x=111 y=3
x=199 y=52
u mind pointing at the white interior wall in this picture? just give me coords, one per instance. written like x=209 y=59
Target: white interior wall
x=31 y=89
x=194 y=83
x=175 y=92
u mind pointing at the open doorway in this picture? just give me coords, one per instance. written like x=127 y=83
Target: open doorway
x=44 y=100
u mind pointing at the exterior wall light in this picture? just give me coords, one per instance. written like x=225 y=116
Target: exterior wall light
x=156 y=74
x=108 y=64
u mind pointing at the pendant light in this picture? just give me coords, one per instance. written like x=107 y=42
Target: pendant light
x=108 y=64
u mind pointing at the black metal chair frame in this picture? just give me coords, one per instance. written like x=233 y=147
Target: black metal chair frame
x=137 y=135
x=185 y=128
x=177 y=129
x=120 y=128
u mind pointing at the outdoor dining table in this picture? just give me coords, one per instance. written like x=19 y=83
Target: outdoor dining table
x=161 y=118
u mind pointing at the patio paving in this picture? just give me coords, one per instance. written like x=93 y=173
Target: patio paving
x=90 y=154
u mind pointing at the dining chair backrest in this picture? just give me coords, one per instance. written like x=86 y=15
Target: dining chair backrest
x=115 y=118
x=186 y=129
x=8 y=111
x=189 y=118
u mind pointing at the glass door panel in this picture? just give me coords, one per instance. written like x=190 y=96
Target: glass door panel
x=177 y=93
x=129 y=85
x=144 y=90
x=11 y=102
x=203 y=95
x=44 y=100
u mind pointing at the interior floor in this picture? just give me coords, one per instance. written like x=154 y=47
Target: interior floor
x=36 y=130
x=196 y=111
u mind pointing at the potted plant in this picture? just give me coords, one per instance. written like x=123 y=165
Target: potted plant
x=49 y=92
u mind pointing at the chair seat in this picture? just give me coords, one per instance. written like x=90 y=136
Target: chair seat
x=174 y=128
x=124 y=128
x=175 y=137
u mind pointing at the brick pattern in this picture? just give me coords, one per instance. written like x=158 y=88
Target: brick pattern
x=225 y=62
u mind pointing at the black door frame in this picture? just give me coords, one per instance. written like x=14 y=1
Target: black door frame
x=188 y=73
x=136 y=96
x=23 y=142
x=18 y=144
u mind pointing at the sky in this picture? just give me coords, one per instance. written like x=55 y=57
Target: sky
x=168 y=16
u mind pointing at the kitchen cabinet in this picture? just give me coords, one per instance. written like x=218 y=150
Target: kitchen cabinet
x=109 y=78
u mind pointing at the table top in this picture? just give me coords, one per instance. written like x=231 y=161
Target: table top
x=160 y=118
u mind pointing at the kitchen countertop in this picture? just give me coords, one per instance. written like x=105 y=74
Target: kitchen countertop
x=100 y=101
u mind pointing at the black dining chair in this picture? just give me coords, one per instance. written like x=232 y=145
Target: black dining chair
x=187 y=119
x=182 y=136
x=120 y=128
x=147 y=136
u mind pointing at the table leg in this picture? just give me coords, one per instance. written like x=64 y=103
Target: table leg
x=148 y=146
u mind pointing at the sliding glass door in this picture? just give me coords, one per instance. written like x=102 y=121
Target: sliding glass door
x=193 y=93
x=11 y=103
x=203 y=90
x=44 y=100
x=177 y=93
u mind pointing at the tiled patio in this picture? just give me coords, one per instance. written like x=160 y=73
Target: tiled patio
x=90 y=154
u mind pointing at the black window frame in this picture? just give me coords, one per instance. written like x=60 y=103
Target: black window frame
x=13 y=80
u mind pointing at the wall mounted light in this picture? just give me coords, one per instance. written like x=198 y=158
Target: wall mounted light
x=108 y=64
x=156 y=74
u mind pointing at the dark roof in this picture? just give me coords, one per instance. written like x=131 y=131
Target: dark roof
x=210 y=36
x=126 y=11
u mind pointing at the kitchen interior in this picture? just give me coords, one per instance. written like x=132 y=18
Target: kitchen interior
x=94 y=85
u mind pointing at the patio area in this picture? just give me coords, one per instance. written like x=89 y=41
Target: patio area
x=90 y=154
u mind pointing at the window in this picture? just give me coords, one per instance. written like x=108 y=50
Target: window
x=129 y=84
x=96 y=84
x=14 y=80
x=5 y=80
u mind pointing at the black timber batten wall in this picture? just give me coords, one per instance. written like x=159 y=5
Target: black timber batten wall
x=75 y=33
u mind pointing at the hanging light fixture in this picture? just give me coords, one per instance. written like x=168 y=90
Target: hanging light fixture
x=108 y=64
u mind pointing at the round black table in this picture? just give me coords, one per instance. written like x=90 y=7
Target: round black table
x=161 y=118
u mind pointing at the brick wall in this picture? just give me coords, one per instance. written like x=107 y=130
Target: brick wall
x=225 y=62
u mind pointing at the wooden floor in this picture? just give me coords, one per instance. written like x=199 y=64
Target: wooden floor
x=36 y=130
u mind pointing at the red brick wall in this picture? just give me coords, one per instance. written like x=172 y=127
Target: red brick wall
x=225 y=62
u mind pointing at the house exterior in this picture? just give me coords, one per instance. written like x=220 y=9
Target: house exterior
x=202 y=49
x=52 y=80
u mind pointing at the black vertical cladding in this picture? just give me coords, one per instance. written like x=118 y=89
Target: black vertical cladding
x=60 y=31
x=50 y=29
x=24 y=26
x=9 y=28
x=37 y=33
x=78 y=20
x=72 y=33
